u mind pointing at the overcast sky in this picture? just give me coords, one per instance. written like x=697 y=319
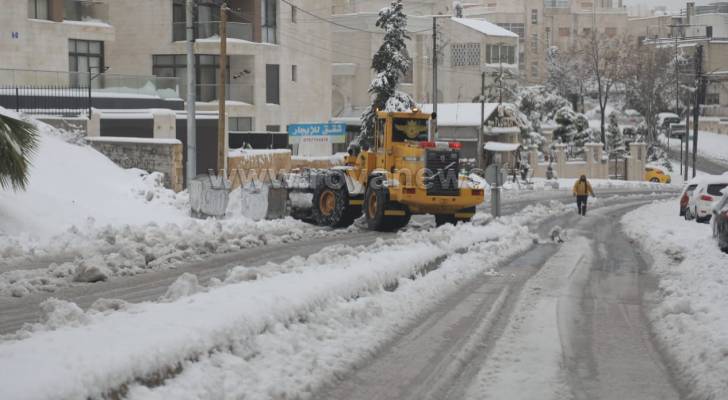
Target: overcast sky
x=672 y=4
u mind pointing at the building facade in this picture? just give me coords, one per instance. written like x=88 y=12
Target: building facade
x=541 y=24
x=52 y=35
x=706 y=26
x=465 y=48
x=278 y=59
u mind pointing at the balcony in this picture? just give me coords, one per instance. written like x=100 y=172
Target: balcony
x=113 y=84
x=86 y=11
x=233 y=92
x=556 y=4
x=206 y=30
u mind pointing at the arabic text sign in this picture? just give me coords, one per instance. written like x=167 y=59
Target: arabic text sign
x=316 y=133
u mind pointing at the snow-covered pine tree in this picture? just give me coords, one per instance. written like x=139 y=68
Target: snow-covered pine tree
x=615 y=139
x=390 y=63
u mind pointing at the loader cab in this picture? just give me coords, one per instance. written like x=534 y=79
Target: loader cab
x=399 y=133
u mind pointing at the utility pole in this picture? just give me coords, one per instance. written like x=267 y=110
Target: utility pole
x=698 y=100
x=221 y=142
x=687 y=142
x=191 y=95
x=434 y=76
x=481 y=131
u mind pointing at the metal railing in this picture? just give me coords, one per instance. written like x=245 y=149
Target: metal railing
x=86 y=10
x=205 y=30
x=165 y=88
x=233 y=92
x=57 y=100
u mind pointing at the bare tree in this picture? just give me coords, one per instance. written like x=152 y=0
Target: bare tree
x=567 y=75
x=606 y=58
x=650 y=84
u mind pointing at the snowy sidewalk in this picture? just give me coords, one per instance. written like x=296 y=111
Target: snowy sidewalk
x=690 y=318
x=713 y=146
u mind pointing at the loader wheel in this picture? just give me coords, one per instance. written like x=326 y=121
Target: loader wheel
x=375 y=203
x=331 y=202
x=442 y=219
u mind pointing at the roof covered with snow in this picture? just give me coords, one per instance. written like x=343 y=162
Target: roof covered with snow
x=460 y=114
x=485 y=27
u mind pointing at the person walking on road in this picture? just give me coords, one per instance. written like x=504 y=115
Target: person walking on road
x=582 y=189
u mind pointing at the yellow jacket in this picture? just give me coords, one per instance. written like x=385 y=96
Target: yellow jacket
x=582 y=188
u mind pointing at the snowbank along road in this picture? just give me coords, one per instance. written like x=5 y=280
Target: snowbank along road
x=445 y=295
x=149 y=286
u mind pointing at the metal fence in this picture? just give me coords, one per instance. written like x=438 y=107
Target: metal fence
x=58 y=100
x=67 y=93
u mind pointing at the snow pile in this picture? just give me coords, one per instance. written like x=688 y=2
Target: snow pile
x=72 y=185
x=101 y=253
x=277 y=336
x=689 y=316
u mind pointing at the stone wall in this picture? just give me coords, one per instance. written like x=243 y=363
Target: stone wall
x=151 y=155
x=594 y=167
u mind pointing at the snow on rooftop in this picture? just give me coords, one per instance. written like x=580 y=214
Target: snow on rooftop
x=485 y=27
x=460 y=114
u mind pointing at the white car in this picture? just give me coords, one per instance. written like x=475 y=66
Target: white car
x=704 y=197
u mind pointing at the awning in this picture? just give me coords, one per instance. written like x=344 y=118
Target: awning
x=500 y=147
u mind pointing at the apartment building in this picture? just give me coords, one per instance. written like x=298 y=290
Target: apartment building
x=278 y=58
x=541 y=24
x=52 y=35
x=705 y=25
x=466 y=48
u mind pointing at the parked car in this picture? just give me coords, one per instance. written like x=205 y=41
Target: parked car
x=705 y=196
x=685 y=197
x=664 y=119
x=630 y=118
x=656 y=175
x=676 y=130
x=720 y=222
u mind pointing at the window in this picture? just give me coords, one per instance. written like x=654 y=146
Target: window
x=500 y=54
x=464 y=54
x=84 y=56
x=517 y=28
x=268 y=21
x=207 y=71
x=712 y=99
x=586 y=31
x=534 y=70
x=240 y=124
x=272 y=84
x=38 y=9
x=534 y=17
x=294 y=14
x=272 y=128
x=534 y=42
x=611 y=32
x=294 y=73
x=564 y=32
x=548 y=37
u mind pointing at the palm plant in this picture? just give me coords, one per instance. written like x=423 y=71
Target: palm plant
x=18 y=142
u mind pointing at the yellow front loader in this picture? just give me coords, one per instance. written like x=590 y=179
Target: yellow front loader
x=402 y=173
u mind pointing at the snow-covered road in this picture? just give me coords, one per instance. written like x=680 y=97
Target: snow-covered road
x=556 y=323
x=300 y=323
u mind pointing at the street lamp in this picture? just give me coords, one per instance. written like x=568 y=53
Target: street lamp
x=91 y=77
